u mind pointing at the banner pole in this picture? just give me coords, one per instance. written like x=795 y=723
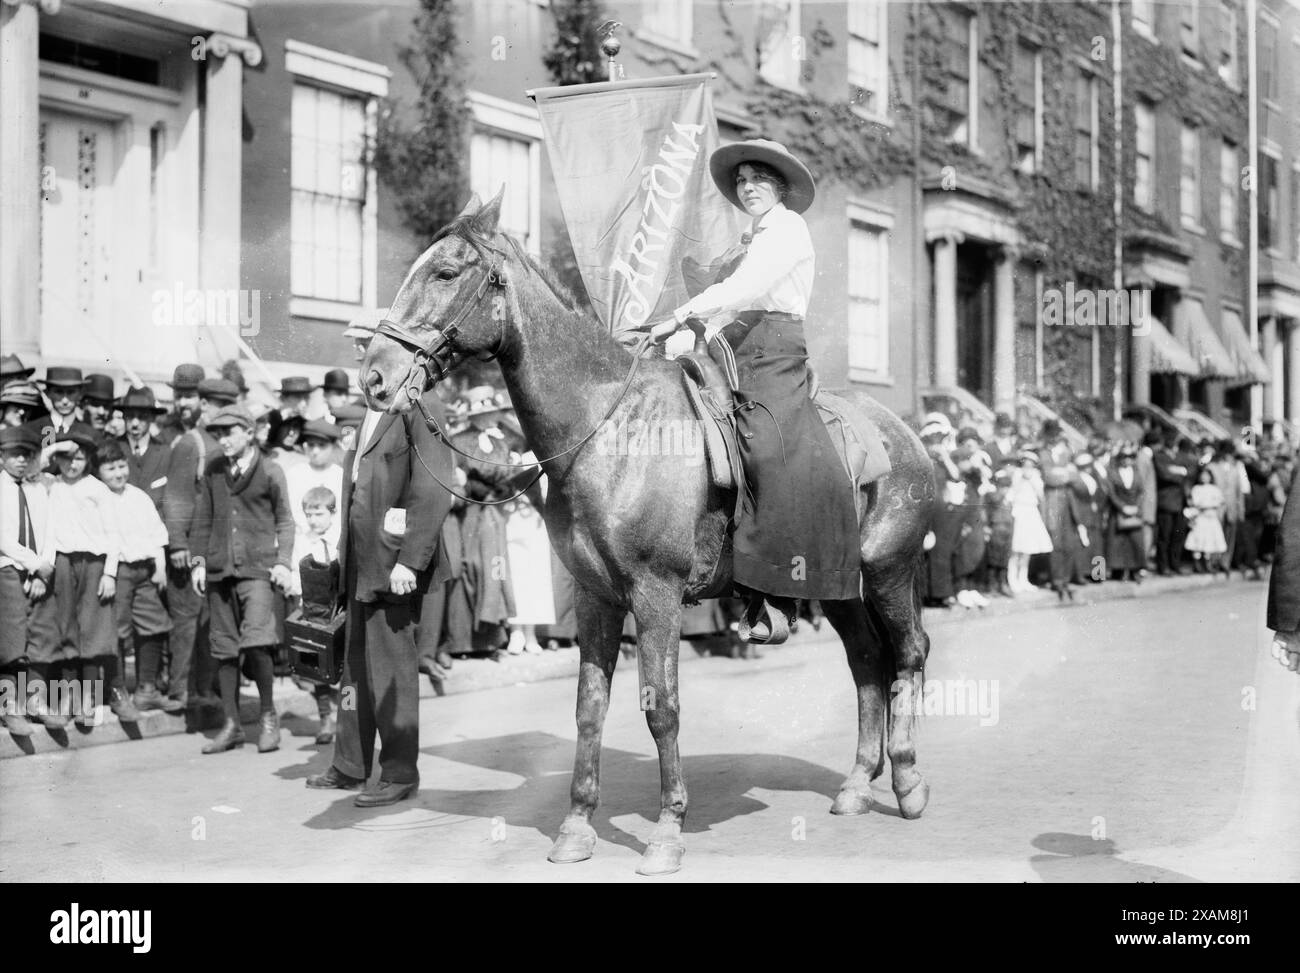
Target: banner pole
x=611 y=45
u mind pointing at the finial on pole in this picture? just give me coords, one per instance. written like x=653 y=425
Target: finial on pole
x=611 y=45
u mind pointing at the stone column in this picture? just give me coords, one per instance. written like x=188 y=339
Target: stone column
x=1004 y=332
x=1271 y=352
x=945 y=309
x=20 y=177
x=1140 y=353
x=221 y=185
x=1292 y=365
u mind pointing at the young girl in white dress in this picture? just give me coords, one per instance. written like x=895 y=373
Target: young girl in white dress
x=1206 y=540
x=1028 y=533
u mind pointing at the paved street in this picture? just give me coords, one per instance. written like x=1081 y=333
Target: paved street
x=1117 y=751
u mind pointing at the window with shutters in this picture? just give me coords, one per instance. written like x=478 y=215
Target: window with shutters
x=1086 y=170
x=1144 y=181
x=1228 y=43
x=328 y=176
x=868 y=293
x=505 y=150
x=868 y=57
x=956 y=104
x=1270 y=204
x=780 y=44
x=1189 y=180
x=1228 y=193
x=1189 y=34
x=1028 y=108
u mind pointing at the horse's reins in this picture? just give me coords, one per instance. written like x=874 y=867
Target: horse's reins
x=428 y=369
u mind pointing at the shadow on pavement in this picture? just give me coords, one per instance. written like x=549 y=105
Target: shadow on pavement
x=1081 y=858
x=629 y=784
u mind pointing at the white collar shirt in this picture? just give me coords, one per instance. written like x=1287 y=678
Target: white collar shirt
x=775 y=274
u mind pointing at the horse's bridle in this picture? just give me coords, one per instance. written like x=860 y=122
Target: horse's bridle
x=428 y=366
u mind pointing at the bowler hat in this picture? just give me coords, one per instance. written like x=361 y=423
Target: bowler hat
x=11 y=367
x=218 y=390
x=349 y=414
x=58 y=376
x=20 y=393
x=231 y=415
x=320 y=429
x=723 y=163
x=366 y=323
x=295 y=385
x=336 y=380
x=98 y=388
x=139 y=398
x=186 y=377
x=19 y=436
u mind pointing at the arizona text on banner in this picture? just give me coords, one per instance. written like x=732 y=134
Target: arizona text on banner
x=631 y=163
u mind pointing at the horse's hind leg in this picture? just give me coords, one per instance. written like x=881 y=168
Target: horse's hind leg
x=897 y=606
x=658 y=620
x=599 y=627
x=864 y=651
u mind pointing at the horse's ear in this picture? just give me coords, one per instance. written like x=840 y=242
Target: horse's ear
x=485 y=221
x=472 y=207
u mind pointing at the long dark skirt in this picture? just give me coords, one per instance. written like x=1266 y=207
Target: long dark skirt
x=797 y=533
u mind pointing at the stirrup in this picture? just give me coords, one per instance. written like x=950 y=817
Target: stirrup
x=771 y=628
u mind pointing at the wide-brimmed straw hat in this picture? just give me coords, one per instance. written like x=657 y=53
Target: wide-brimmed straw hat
x=483 y=399
x=723 y=163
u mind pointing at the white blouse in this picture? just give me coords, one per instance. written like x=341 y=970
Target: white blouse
x=776 y=273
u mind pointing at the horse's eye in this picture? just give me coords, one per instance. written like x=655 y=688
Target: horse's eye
x=446 y=274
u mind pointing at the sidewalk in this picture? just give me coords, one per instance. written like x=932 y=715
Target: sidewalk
x=298 y=709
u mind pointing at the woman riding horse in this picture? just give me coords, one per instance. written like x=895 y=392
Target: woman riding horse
x=797 y=531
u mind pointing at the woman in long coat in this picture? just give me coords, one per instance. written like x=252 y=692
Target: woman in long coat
x=1284 y=582
x=797 y=531
x=1125 y=547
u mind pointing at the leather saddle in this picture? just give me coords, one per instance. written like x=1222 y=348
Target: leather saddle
x=710 y=380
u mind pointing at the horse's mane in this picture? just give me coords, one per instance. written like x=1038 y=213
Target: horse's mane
x=464 y=228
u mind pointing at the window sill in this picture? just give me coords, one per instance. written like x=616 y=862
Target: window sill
x=1228 y=240
x=1145 y=32
x=1192 y=62
x=1193 y=228
x=869 y=116
x=684 y=48
x=322 y=310
x=867 y=377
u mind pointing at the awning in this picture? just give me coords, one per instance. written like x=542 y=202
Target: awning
x=1167 y=355
x=1250 y=364
x=1203 y=342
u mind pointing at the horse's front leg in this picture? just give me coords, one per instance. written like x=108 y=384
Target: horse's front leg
x=658 y=619
x=599 y=627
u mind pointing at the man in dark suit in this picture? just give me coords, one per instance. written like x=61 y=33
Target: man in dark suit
x=146 y=458
x=1284 y=583
x=1172 y=477
x=393 y=509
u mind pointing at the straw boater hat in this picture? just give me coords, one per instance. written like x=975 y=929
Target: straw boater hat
x=723 y=163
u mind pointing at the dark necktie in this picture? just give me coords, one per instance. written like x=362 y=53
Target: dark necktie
x=26 y=535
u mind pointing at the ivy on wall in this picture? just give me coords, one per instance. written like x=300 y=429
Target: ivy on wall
x=421 y=150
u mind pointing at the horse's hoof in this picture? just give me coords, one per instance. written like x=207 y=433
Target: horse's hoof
x=662 y=857
x=851 y=801
x=911 y=804
x=575 y=843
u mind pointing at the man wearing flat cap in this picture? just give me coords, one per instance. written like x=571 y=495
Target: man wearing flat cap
x=242 y=541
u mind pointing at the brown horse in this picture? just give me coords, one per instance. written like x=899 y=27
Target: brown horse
x=640 y=531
